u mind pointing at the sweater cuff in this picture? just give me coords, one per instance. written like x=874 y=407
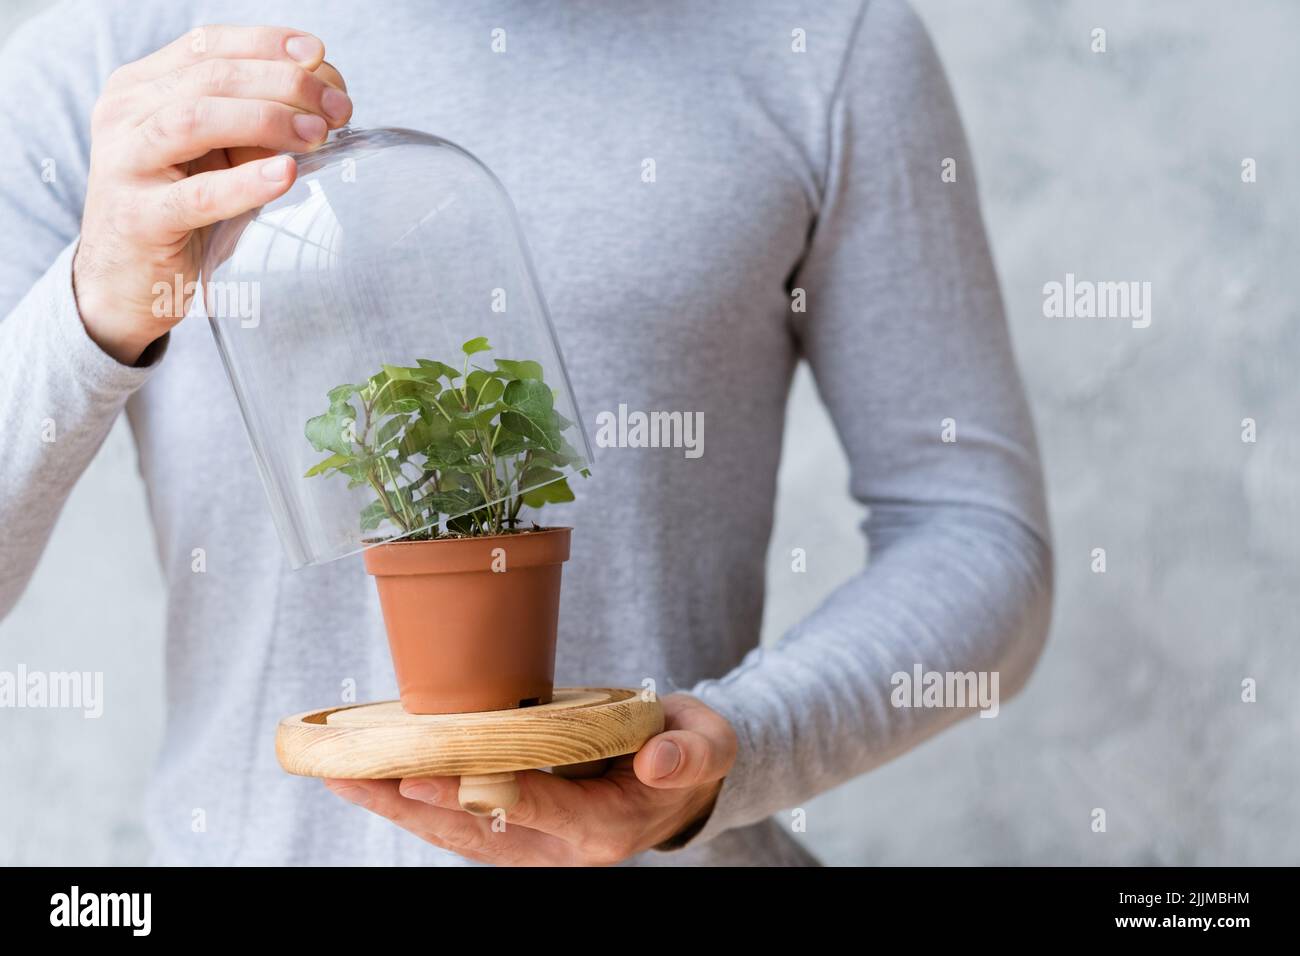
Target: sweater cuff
x=741 y=800
x=88 y=364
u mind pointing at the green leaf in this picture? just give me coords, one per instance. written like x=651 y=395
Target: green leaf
x=447 y=482
x=527 y=369
x=373 y=515
x=427 y=373
x=539 y=475
x=418 y=436
x=523 y=425
x=390 y=430
x=439 y=368
x=399 y=373
x=358 y=469
x=451 y=402
x=373 y=385
x=568 y=455
x=453 y=502
x=342 y=393
x=401 y=396
x=509 y=444
x=333 y=461
x=333 y=430
x=487 y=388
x=447 y=455
x=529 y=415
x=557 y=492
x=479 y=344
x=529 y=396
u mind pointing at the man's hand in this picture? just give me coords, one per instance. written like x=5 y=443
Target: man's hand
x=181 y=140
x=641 y=801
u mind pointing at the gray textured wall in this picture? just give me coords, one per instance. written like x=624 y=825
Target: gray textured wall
x=1123 y=165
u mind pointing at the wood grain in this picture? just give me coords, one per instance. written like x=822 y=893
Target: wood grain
x=378 y=741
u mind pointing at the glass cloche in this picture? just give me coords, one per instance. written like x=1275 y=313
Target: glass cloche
x=390 y=349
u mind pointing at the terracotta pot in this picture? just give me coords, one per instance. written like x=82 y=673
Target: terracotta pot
x=465 y=637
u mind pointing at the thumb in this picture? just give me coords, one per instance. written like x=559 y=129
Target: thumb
x=681 y=759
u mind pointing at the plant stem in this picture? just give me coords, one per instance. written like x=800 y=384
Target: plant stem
x=383 y=499
x=410 y=518
x=519 y=492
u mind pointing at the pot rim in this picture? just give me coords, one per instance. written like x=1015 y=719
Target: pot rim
x=463 y=539
x=470 y=554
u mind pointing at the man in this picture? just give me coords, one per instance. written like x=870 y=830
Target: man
x=797 y=211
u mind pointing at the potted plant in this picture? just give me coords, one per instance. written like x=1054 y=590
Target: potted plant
x=470 y=595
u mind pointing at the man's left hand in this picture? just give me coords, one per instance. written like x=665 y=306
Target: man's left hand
x=641 y=801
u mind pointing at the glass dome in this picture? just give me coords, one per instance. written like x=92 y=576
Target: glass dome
x=390 y=349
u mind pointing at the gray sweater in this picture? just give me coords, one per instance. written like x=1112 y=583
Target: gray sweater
x=781 y=177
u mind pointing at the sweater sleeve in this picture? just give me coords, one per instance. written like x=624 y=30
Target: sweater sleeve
x=59 y=391
x=905 y=335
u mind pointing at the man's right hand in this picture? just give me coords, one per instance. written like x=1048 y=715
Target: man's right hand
x=181 y=139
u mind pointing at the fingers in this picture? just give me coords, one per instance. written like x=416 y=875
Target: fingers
x=246 y=154
x=572 y=809
x=185 y=131
x=227 y=43
x=279 y=81
x=330 y=74
x=592 y=822
x=454 y=830
x=555 y=809
x=436 y=791
x=588 y=822
x=215 y=100
x=206 y=198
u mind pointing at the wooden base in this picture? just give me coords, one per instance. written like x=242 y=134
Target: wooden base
x=575 y=733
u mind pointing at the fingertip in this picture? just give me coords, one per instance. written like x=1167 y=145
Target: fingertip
x=274 y=178
x=278 y=169
x=328 y=72
x=432 y=790
x=305 y=50
x=659 y=761
x=353 y=791
x=337 y=106
x=310 y=128
x=666 y=759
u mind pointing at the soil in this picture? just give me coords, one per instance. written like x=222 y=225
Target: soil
x=430 y=535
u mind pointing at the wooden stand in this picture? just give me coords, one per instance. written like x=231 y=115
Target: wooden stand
x=576 y=733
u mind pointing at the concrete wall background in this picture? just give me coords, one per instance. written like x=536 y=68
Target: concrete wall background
x=1115 y=166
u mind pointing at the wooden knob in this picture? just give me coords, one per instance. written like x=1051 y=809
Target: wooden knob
x=480 y=794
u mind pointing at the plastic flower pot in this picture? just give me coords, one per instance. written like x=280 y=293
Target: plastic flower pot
x=472 y=621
